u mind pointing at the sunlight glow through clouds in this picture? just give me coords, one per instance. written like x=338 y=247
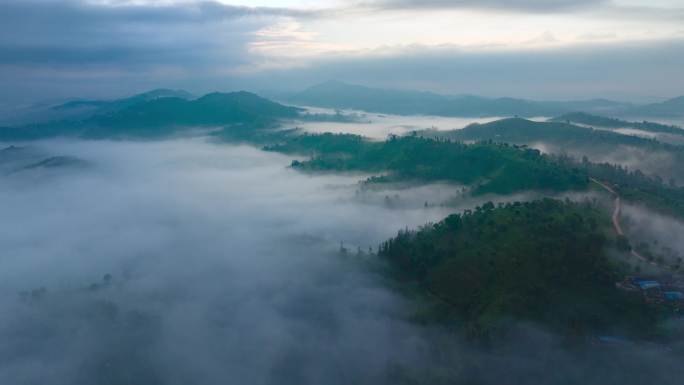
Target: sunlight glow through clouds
x=347 y=26
x=467 y=29
x=237 y=41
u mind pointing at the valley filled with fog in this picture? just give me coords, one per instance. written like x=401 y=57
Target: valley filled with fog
x=212 y=253
x=190 y=261
x=338 y=192
x=379 y=126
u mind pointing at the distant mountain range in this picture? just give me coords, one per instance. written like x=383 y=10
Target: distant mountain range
x=81 y=109
x=164 y=111
x=156 y=113
x=669 y=108
x=100 y=106
x=334 y=94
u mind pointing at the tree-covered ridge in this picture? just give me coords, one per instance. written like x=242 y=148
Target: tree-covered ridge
x=492 y=168
x=635 y=186
x=543 y=261
x=562 y=138
x=163 y=116
x=211 y=109
x=562 y=134
x=601 y=121
x=489 y=167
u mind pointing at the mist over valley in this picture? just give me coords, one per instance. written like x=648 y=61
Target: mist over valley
x=336 y=192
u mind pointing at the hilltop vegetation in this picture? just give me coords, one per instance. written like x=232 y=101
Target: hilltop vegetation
x=211 y=109
x=542 y=261
x=561 y=134
x=163 y=116
x=81 y=109
x=636 y=187
x=652 y=156
x=491 y=168
x=601 y=121
x=105 y=106
x=488 y=167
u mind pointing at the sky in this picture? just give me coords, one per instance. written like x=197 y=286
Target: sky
x=552 y=49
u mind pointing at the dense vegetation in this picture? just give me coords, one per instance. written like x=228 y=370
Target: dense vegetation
x=81 y=109
x=561 y=134
x=601 y=121
x=633 y=185
x=488 y=167
x=491 y=168
x=211 y=109
x=636 y=187
x=662 y=159
x=109 y=106
x=542 y=261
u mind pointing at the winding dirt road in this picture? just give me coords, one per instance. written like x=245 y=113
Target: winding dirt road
x=616 y=218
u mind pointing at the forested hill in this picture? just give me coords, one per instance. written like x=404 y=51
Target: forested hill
x=489 y=167
x=655 y=157
x=601 y=121
x=542 y=261
x=523 y=131
x=103 y=106
x=669 y=108
x=163 y=116
x=212 y=109
x=658 y=192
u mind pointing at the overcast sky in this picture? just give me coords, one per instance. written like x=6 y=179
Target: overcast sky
x=542 y=49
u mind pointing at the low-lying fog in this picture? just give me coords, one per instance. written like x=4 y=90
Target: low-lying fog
x=224 y=267
x=379 y=126
x=185 y=262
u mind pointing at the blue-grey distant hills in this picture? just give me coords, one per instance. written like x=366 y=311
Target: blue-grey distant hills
x=157 y=113
x=102 y=106
x=612 y=123
x=672 y=108
x=18 y=159
x=334 y=94
x=80 y=109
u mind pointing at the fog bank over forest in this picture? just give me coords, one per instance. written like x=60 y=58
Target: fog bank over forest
x=183 y=261
x=250 y=192
x=215 y=253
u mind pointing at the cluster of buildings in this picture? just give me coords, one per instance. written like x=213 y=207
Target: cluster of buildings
x=658 y=290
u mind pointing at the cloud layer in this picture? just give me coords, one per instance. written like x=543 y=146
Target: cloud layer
x=74 y=48
x=535 y=6
x=224 y=268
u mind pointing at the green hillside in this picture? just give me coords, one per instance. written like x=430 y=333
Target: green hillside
x=542 y=261
x=601 y=121
x=491 y=168
x=162 y=116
